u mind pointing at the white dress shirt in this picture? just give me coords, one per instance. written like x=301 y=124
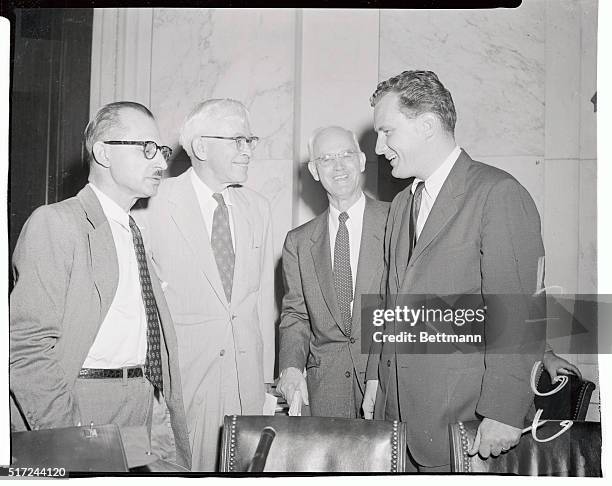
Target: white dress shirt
x=354 y=225
x=122 y=338
x=208 y=204
x=433 y=184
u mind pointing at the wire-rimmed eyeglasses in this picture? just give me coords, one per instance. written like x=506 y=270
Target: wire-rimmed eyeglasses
x=326 y=159
x=149 y=147
x=241 y=141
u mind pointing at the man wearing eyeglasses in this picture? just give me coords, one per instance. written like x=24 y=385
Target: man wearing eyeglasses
x=328 y=263
x=91 y=337
x=211 y=241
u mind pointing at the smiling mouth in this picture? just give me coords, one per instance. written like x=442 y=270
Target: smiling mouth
x=341 y=178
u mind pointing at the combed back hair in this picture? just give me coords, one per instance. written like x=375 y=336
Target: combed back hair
x=419 y=92
x=106 y=119
x=320 y=130
x=207 y=111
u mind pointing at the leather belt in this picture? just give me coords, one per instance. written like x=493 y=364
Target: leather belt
x=132 y=372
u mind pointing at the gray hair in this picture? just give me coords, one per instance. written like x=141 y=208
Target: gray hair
x=106 y=119
x=206 y=111
x=320 y=130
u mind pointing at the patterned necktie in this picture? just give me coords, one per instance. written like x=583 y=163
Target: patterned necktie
x=222 y=247
x=416 y=207
x=343 y=278
x=153 y=366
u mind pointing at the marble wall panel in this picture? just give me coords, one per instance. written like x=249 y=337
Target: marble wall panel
x=561 y=222
x=587 y=231
x=243 y=54
x=588 y=79
x=274 y=180
x=562 y=79
x=492 y=62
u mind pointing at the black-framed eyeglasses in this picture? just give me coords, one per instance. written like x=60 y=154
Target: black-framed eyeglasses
x=241 y=141
x=149 y=147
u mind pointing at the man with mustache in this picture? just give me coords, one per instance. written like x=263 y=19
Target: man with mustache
x=91 y=338
x=328 y=263
x=462 y=228
x=211 y=243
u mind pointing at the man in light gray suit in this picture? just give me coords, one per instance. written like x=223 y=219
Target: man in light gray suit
x=211 y=243
x=328 y=263
x=91 y=337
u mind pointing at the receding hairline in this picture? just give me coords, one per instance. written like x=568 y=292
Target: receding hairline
x=316 y=134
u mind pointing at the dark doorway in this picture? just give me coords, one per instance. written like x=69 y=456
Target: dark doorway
x=51 y=69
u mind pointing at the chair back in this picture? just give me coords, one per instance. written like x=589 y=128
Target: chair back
x=570 y=402
x=576 y=452
x=315 y=444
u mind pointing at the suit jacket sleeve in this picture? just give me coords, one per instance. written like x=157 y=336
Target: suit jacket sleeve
x=294 y=329
x=511 y=246
x=41 y=264
x=265 y=302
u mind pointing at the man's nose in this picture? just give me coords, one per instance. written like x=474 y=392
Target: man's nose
x=160 y=161
x=246 y=150
x=381 y=144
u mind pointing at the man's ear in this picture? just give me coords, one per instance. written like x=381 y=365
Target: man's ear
x=312 y=167
x=99 y=154
x=362 y=161
x=199 y=148
x=429 y=124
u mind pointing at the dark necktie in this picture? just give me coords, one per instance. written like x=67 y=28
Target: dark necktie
x=222 y=247
x=153 y=366
x=407 y=238
x=416 y=207
x=343 y=278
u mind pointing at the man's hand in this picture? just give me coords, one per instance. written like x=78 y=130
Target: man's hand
x=369 y=399
x=557 y=365
x=493 y=438
x=292 y=379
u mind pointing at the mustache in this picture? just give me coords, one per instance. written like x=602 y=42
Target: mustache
x=158 y=173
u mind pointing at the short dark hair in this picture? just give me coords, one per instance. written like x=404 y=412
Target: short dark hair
x=105 y=119
x=420 y=92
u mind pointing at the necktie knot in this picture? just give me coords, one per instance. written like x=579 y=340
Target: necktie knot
x=419 y=189
x=219 y=198
x=133 y=225
x=343 y=217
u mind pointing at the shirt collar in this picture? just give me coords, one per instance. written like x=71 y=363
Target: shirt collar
x=434 y=182
x=206 y=192
x=111 y=209
x=353 y=212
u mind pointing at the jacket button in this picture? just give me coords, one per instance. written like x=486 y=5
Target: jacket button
x=389 y=362
x=352 y=340
x=347 y=374
x=234 y=316
x=222 y=352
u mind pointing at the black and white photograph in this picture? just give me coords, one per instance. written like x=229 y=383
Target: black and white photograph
x=254 y=242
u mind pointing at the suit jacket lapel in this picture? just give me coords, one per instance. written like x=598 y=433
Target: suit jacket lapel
x=103 y=254
x=397 y=268
x=243 y=240
x=445 y=206
x=186 y=213
x=371 y=235
x=321 y=255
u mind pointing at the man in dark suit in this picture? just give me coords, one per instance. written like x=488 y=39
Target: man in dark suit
x=91 y=338
x=469 y=229
x=328 y=263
